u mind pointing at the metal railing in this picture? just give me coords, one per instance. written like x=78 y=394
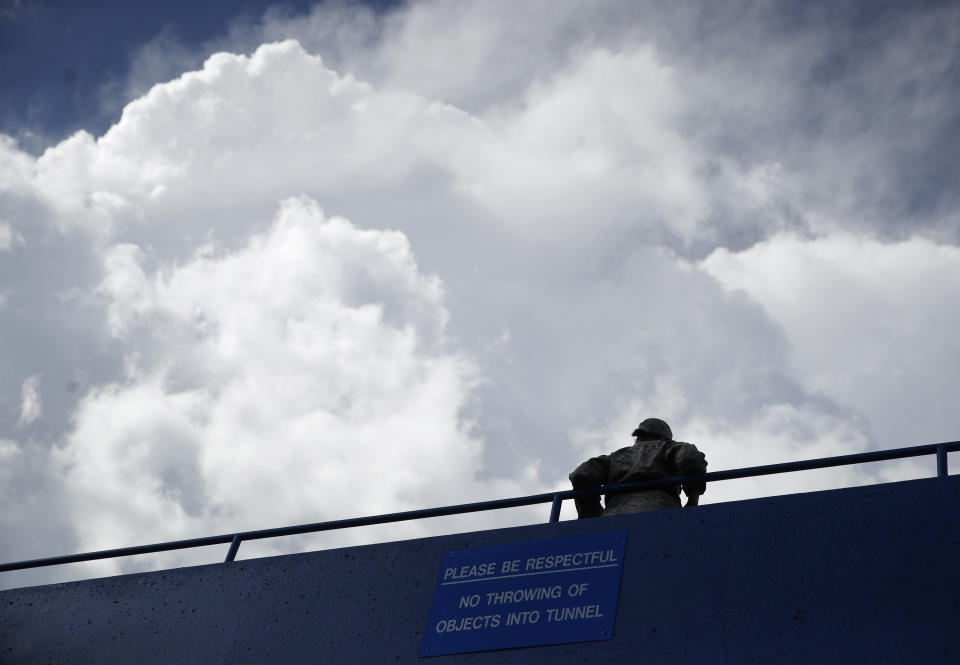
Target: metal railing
x=554 y=498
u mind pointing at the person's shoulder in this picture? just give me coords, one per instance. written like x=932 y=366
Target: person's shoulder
x=626 y=450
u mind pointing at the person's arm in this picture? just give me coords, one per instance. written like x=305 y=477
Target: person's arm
x=689 y=461
x=592 y=473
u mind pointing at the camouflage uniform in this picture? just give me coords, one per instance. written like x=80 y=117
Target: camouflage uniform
x=645 y=460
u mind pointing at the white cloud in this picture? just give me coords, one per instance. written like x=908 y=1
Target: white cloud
x=31 y=408
x=9 y=451
x=595 y=145
x=9 y=237
x=215 y=149
x=32 y=518
x=870 y=323
x=303 y=377
x=470 y=54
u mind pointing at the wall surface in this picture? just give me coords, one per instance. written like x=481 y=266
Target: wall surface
x=862 y=575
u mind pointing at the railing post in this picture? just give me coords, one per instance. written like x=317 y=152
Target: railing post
x=232 y=552
x=942 y=471
x=555 y=509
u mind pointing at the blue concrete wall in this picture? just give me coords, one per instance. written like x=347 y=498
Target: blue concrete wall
x=863 y=575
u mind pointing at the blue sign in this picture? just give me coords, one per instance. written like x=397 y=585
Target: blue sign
x=524 y=594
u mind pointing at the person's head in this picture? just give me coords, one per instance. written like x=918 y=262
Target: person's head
x=653 y=429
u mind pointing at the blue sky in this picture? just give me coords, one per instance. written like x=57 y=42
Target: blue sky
x=252 y=256
x=63 y=65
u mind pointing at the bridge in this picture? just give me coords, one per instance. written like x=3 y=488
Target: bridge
x=855 y=575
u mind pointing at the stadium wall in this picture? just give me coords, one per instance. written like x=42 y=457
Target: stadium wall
x=860 y=575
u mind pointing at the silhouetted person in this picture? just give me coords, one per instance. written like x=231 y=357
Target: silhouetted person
x=654 y=455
